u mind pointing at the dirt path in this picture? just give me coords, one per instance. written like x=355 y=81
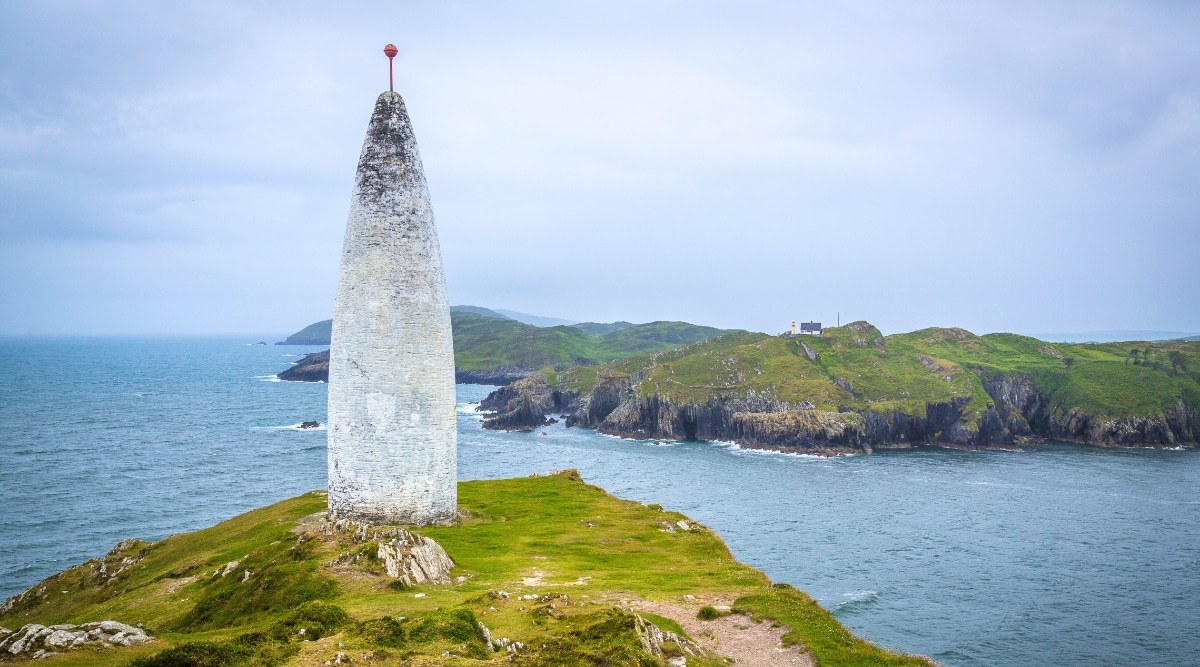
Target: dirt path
x=736 y=637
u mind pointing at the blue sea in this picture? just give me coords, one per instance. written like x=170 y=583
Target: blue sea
x=1050 y=555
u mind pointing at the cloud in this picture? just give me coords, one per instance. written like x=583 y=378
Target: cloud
x=1023 y=166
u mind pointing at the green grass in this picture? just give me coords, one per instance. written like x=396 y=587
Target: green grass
x=832 y=645
x=485 y=343
x=859 y=369
x=562 y=551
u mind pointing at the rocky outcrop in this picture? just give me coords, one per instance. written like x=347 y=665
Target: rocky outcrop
x=415 y=559
x=655 y=640
x=1174 y=427
x=1023 y=410
x=39 y=641
x=765 y=423
x=311 y=368
x=409 y=558
x=1020 y=412
x=1021 y=407
x=523 y=405
x=614 y=407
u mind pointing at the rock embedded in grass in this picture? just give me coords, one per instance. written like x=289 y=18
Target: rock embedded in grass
x=33 y=637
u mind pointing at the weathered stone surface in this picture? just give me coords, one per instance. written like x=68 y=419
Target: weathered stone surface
x=653 y=640
x=415 y=559
x=392 y=438
x=33 y=637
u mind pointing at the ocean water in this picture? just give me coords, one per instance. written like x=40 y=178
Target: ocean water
x=1054 y=555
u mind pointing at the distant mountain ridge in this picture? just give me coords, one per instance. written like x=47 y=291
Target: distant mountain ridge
x=480 y=311
x=535 y=320
x=490 y=348
x=318 y=333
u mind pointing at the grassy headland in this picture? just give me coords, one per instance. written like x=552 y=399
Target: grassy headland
x=551 y=562
x=853 y=389
x=483 y=343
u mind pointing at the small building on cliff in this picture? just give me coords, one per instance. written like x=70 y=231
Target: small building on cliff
x=806 y=329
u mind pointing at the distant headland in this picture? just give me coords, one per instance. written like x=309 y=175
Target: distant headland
x=848 y=390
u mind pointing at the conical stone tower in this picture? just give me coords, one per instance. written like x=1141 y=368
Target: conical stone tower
x=392 y=438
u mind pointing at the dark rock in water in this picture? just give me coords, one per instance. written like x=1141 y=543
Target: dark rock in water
x=311 y=368
x=310 y=424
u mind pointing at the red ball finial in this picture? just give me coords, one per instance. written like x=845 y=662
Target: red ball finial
x=390 y=51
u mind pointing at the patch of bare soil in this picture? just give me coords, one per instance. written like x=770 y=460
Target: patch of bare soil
x=736 y=637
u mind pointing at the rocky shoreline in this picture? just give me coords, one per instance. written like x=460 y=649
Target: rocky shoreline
x=315 y=368
x=311 y=368
x=1019 y=413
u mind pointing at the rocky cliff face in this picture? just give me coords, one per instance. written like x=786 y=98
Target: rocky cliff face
x=311 y=368
x=1020 y=412
x=1024 y=411
x=524 y=404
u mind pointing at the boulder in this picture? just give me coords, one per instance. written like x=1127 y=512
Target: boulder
x=34 y=638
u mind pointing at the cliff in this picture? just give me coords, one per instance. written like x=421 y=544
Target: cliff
x=534 y=571
x=310 y=368
x=854 y=390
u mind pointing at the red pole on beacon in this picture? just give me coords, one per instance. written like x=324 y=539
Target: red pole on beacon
x=390 y=51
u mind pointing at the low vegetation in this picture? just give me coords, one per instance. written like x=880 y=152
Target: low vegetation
x=542 y=567
x=854 y=386
x=485 y=343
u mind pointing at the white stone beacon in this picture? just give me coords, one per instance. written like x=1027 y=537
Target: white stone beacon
x=392 y=438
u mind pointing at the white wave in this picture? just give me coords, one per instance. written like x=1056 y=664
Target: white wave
x=857 y=597
x=267 y=378
x=738 y=450
x=469 y=410
x=292 y=427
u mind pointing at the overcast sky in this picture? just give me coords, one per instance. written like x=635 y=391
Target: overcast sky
x=1000 y=166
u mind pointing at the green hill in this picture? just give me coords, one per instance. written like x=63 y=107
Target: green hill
x=498 y=350
x=854 y=389
x=601 y=328
x=479 y=310
x=317 y=333
x=482 y=344
x=546 y=571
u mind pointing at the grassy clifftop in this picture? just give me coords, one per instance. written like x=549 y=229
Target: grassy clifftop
x=565 y=569
x=854 y=386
